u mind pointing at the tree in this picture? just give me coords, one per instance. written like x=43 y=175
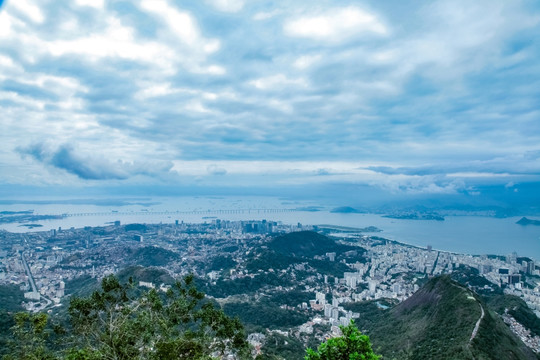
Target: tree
x=351 y=346
x=118 y=325
x=120 y=322
x=29 y=338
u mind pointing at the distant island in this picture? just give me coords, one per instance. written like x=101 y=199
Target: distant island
x=416 y=216
x=31 y=226
x=25 y=217
x=309 y=208
x=345 y=210
x=526 y=221
x=346 y=229
x=16 y=212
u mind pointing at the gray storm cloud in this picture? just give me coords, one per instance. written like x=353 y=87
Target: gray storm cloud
x=65 y=157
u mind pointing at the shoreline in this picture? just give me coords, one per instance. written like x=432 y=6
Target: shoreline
x=346 y=229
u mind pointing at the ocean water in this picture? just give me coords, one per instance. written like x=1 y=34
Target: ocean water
x=462 y=234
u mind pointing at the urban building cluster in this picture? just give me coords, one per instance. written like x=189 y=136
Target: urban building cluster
x=43 y=264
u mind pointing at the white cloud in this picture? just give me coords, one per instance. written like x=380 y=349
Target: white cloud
x=228 y=5
x=98 y=4
x=57 y=83
x=6 y=24
x=280 y=105
x=463 y=37
x=303 y=62
x=28 y=9
x=155 y=91
x=214 y=70
x=200 y=167
x=117 y=41
x=266 y=15
x=212 y=46
x=475 y=174
x=6 y=61
x=335 y=25
x=270 y=92
x=26 y=101
x=209 y=96
x=182 y=24
x=276 y=82
x=197 y=107
x=213 y=169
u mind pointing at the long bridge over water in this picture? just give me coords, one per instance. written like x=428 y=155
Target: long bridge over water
x=188 y=212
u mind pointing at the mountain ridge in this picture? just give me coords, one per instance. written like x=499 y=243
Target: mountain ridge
x=443 y=320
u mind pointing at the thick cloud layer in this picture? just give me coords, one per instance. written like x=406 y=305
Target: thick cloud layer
x=433 y=97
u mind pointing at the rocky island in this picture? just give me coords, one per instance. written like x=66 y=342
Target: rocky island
x=346 y=210
x=527 y=221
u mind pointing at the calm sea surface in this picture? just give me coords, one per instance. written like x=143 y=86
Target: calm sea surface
x=463 y=234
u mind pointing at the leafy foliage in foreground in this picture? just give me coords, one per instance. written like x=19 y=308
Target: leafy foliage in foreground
x=11 y=298
x=31 y=334
x=351 y=346
x=112 y=323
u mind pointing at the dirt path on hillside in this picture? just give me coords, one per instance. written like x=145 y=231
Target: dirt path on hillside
x=475 y=330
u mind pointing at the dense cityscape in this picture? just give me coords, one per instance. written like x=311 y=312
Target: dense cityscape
x=47 y=264
x=392 y=147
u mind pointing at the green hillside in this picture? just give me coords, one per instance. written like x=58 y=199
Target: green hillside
x=82 y=286
x=517 y=308
x=307 y=244
x=437 y=322
x=11 y=298
x=86 y=285
x=151 y=256
x=261 y=315
x=147 y=274
x=496 y=299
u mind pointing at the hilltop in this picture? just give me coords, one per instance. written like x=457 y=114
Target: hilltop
x=442 y=320
x=151 y=256
x=527 y=221
x=345 y=210
x=307 y=244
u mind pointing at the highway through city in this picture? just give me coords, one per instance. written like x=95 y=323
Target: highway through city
x=29 y=273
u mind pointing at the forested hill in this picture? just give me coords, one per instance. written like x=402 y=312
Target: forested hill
x=438 y=322
x=307 y=244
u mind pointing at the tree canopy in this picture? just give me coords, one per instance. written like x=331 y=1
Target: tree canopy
x=119 y=322
x=351 y=346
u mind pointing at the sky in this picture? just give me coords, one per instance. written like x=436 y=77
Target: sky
x=417 y=98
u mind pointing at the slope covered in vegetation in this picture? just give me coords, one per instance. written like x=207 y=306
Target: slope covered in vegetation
x=438 y=322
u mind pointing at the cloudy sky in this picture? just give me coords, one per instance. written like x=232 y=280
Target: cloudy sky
x=438 y=97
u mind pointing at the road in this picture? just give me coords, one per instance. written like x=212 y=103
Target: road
x=29 y=273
